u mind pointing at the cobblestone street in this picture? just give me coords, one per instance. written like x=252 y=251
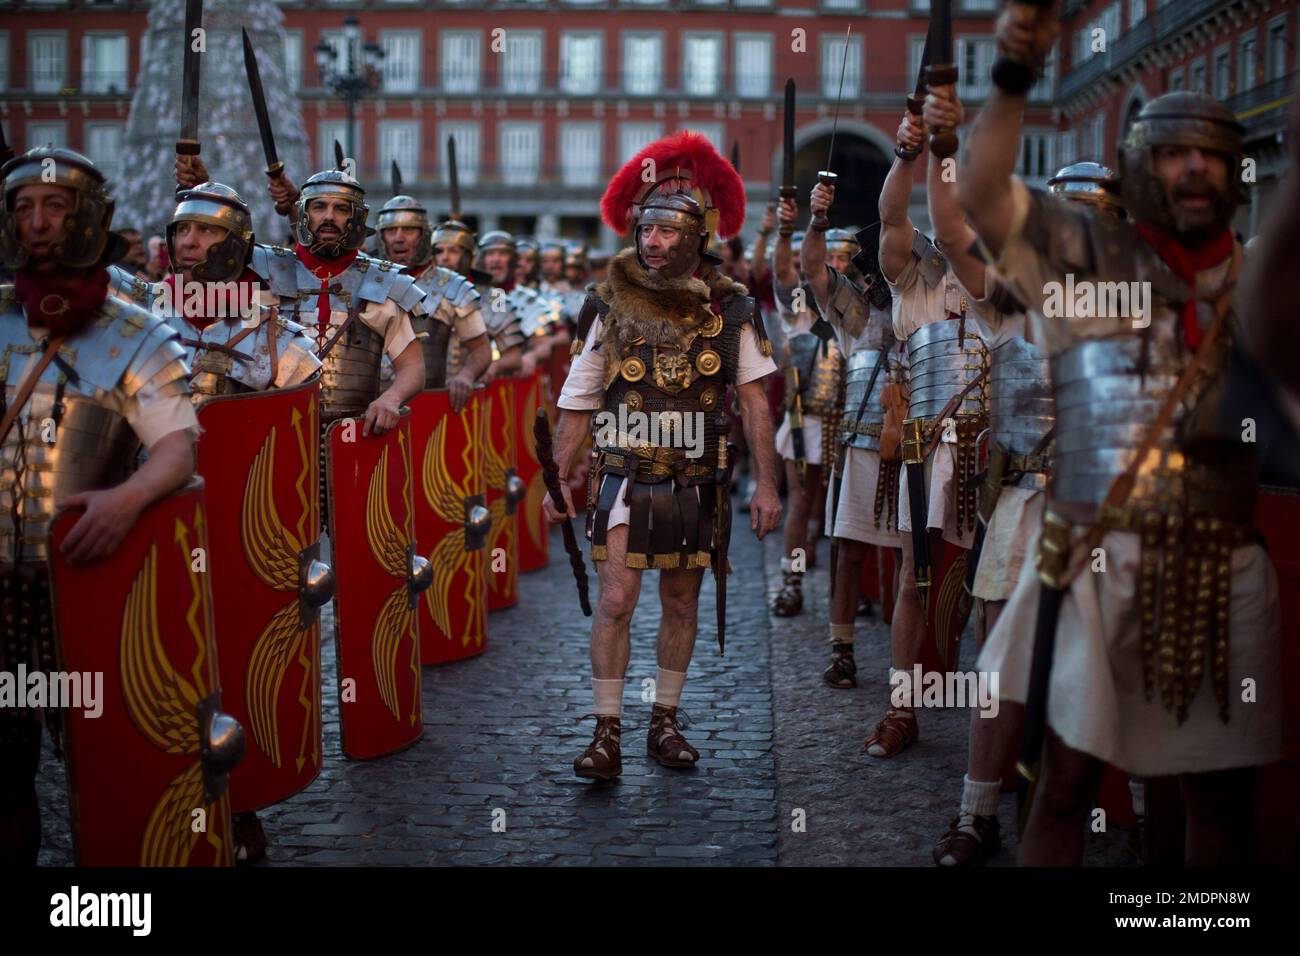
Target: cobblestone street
x=501 y=731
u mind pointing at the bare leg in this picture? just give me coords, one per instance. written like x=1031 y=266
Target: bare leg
x=848 y=580
x=620 y=587
x=1067 y=784
x=679 y=593
x=796 y=519
x=1220 y=817
x=993 y=740
x=907 y=632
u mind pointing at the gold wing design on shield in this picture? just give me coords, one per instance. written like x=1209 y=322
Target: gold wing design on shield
x=163 y=705
x=446 y=497
x=395 y=620
x=271 y=550
x=532 y=517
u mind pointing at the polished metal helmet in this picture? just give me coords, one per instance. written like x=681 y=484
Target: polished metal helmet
x=681 y=210
x=1179 y=119
x=87 y=239
x=497 y=239
x=575 y=254
x=527 y=244
x=1091 y=183
x=333 y=184
x=216 y=205
x=407 y=211
x=842 y=240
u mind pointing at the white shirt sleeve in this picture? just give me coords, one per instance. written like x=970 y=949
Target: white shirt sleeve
x=584 y=388
x=753 y=364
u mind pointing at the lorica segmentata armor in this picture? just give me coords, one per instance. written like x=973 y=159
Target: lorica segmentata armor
x=1021 y=412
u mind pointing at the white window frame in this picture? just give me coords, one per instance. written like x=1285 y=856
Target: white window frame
x=1273 y=70
x=1193 y=84
x=650 y=85
x=103 y=82
x=1137 y=12
x=975 y=83
x=1248 y=65
x=1038 y=142
x=469 y=149
x=752 y=88
x=692 y=81
x=1099 y=134
x=639 y=132
x=58 y=80
x=293 y=61
x=5 y=62
x=581 y=152
x=328 y=130
x=406 y=79
x=1222 y=56
x=408 y=156
x=524 y=173
x=1178 y=79
x=831 y=51
x=59 y=127
x=460 y=81
x=1044 y=90
x=715 y=131
x=515 y=79
x=581 y=85
x=108 y=160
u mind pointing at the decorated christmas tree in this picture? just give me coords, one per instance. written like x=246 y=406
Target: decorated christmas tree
x=231 y=148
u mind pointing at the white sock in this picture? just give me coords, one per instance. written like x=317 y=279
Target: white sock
x=668 y=687
x=980 y=797
x=609 y=697
x=786 y=565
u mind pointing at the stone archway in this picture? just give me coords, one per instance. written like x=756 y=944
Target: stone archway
x=862 y=159
x=1137 y=98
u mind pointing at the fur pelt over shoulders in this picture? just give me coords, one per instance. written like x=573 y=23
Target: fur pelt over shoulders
x=662 y=311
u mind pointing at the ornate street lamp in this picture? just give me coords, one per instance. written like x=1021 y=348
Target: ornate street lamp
x=352 y=72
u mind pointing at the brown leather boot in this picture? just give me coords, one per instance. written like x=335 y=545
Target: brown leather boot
x=665 y=742
x=602 y=760
x=789 y=600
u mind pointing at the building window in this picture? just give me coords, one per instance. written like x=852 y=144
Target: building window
x=580 y=70
x=1198 y=76
x=104 y=146
x=643 y=57
x=1137 y=12
x=701 y=64
x=1277 y=48
x=633 y=137
x=47 y=133
x=328 y=132
x=400 y=67
x=293 y=59
x=521 y=72
x=47 y=61
x=1099 y=136
x=1044 y=89
x=4 y=60
x=975 y=62
x=468 y=141
x=580 y=152
x=400 y=140
x=833 y=63
x=980 y=6
x=1069 y=148
x=741 y=3
x=915 y=51
x=338 y=41
x=752 y=53
x=1110 y=23
x=519 y=149
x=1246 y=63
x=841 y=4
x=715 y=133
x=460 y=61
x=1222 y=73
x=1036 y=154
x=1177 y=79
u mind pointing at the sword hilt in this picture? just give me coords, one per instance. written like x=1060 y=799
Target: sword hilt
x=826 y=178
x=276 y=171
x=788 y=192
x=943 y=142
x=187 y=147
x=915 y=104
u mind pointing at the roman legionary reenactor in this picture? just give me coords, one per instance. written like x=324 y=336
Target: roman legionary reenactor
x=406 y=237
x=454 y=248
x=862 y=506
x=936 y=286
x=527 y=269
x=1153 y=602
x=536 y=314
x=813 y=369
x=668 y=335
x=1012 y=495
x=110 y=377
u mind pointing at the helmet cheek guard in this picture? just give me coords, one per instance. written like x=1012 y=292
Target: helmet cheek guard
x=87 y=239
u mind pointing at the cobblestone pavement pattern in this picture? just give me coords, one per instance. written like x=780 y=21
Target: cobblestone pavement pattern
x=502 y=729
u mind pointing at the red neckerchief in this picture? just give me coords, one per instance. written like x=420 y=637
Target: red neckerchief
x=323 y=269
x=63 y=304
x=414 y=270
x=1186 y=263
x=245 y=288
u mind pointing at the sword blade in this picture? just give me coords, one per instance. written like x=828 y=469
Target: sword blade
x=453 y=178
x=941 y=25
x=835 y=122
x=396 y=177
x=787 y=156
x=6 y=151
x=551 y=478
x=919 y=90
x=338 y=155
x=259 y=104
x=190 y=75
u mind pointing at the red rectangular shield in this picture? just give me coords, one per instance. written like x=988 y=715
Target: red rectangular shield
x=142 y=791
x=949 y=605
x=534 y=551
x=376 y=627
x=500 y=464
x=450 y=487
x=260 y=456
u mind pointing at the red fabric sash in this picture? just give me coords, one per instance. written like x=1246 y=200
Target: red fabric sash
x=63 y=304
x=1186 y=263
x=323 y=269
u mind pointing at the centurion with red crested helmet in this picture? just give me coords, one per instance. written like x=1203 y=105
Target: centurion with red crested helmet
x=664 y=337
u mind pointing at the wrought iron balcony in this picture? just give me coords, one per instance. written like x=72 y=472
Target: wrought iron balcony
x=1264 y=106
x=1177 y=16
x=1117 y=56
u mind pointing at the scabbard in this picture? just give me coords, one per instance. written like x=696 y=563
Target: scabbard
x=835 y=509
x=1040 y=673
x=917 y=510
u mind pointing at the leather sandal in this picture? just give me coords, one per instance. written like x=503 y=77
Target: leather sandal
x=843 y=670
x=896 y=731
x=789 y=600
x=971 y=840
x=603 y=759
x=665 y=742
